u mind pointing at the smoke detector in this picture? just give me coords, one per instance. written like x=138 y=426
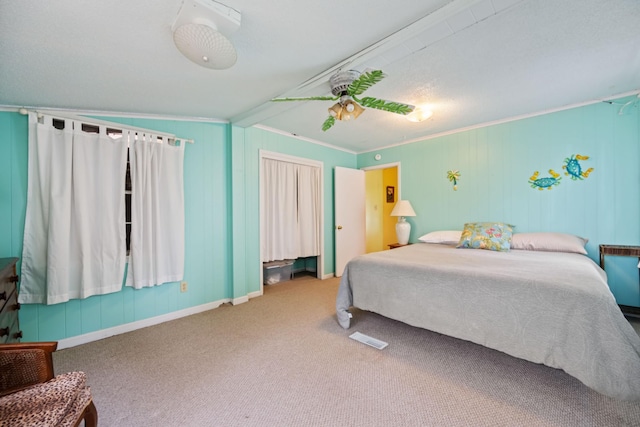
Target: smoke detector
x=200 y=32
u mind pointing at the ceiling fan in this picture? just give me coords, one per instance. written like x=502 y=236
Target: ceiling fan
x=346 y=86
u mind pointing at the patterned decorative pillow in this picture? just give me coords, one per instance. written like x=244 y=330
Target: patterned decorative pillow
x=493 y=236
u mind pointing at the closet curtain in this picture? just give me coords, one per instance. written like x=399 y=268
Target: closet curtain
x=290 y=225
x=308 y=211
x=156 y=254
x=74 y=236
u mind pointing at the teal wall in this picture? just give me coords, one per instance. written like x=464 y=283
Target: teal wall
x=207 y=259
x=222 y=201
x=247 y=144
x=496 y=162
x=222 y=253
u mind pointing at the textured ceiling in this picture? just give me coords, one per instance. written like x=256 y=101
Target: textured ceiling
x=471 y=61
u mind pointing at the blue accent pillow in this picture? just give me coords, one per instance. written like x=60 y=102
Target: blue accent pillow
x=493 y=236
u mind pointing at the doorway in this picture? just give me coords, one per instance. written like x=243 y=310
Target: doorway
x=382 y=184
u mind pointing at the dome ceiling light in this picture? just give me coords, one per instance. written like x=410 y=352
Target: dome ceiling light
x=200 y=32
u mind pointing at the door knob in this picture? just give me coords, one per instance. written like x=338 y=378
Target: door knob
x=339 y=227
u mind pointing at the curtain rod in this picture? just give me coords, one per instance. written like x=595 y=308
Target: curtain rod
x=98 y=122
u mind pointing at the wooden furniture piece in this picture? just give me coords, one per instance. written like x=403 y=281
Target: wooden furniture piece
x=618 y=250
x=397 y=245
x=621 y=250
x=31 y=395
x=9 y=306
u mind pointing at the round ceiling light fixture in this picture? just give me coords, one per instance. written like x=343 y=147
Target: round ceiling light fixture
x=205 y=46
x=419 y=115
x=200 y=33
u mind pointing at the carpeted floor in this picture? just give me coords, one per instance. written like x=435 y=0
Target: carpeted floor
x=282 y=360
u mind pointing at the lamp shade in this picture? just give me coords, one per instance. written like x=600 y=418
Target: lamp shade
x=351 y=110
x=403 y=208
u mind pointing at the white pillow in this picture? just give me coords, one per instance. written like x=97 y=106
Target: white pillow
x=549 y=242
x=446 y=237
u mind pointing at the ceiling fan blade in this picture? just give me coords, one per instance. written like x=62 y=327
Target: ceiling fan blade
x=328 y=123
x=308 y=98
x=365 y=81
x=390 y=106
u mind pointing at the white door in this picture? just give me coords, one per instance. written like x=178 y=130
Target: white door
x=350 y=215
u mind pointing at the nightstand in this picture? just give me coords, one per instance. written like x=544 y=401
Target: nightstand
x=618 y=250
x=621 y=250
x=397 y=245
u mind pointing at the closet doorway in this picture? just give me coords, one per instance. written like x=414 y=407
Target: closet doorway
x=291 y=211
x=382 y=193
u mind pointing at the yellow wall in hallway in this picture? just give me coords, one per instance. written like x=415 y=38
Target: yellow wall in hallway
x=390 y=178
x=380 y=225
x=374 y=209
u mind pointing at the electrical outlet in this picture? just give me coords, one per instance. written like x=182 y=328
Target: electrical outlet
x=183 y=286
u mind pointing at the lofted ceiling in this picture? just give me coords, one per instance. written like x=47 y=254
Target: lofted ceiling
x=470 y=61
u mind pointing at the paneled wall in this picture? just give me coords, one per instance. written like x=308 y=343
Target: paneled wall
x=222 y=252
x=207 y=261
x=247 y=144
x=496 y=163
x=222 y=201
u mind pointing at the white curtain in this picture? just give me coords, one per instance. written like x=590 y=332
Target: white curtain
x=74 y=237
x=290 y=224
x=308 y=211
x=157 y=211
x=279 y=237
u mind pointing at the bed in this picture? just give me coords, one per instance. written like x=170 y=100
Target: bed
x=553 y=308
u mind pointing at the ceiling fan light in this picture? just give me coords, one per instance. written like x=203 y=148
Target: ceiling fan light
x=353 y=109
x=336 y=111
x=419 y=115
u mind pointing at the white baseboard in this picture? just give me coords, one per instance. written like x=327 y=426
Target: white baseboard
x=128 y=327
x=328 y=276
x=255 y=294
x=240 y=300
x=246 y=298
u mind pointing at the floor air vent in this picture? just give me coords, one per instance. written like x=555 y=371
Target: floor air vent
x=366 y=339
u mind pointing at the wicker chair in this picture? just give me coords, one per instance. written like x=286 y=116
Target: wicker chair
x=31 y=395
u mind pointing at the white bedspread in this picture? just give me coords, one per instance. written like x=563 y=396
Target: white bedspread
x=546 y=307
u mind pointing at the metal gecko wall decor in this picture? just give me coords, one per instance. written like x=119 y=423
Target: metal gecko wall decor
x=572 y=168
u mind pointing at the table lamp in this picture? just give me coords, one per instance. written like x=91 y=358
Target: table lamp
x=403 y=228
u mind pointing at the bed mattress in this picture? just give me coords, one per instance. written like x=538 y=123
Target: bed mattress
x=552 y=308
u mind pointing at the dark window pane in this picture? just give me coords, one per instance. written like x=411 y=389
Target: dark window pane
x=127 y=209
x=128 y=237
x=127 y=179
